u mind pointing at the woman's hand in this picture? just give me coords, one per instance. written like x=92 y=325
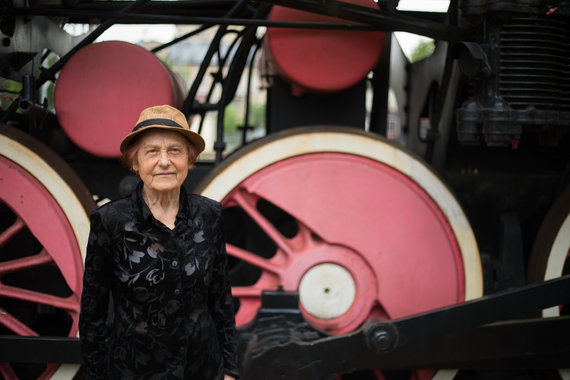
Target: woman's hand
x=228 y=377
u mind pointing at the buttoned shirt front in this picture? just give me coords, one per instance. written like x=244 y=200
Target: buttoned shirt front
x=156 y=302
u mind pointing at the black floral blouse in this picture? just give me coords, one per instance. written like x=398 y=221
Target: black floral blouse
x=156 y=302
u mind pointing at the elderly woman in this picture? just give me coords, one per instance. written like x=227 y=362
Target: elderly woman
x=156 y=300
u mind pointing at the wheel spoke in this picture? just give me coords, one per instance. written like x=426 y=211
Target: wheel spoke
x=253 y=259
x=25 y=262
x=245 y=292
x=69 y=303
x=15 y=325
x=11 y=231
x=7 y=372
x=263 y=223
x=304 y=239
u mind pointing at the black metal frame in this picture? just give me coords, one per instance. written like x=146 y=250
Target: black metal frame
x=486 y=333
x=481 y=334
x=226 y=13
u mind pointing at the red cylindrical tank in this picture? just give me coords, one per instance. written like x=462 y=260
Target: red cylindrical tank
x=103 y=88
x=318 y=60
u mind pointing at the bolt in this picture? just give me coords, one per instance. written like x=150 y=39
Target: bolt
x=381 y=340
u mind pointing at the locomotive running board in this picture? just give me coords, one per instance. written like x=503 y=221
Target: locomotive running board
x=479 y=334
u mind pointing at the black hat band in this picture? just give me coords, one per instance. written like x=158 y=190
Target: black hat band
x=165 y=122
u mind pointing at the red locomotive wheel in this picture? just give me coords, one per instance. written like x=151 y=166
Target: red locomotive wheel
x=43 y=231
x=356 y=225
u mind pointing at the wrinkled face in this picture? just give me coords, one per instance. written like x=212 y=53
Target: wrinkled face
x=162 y=160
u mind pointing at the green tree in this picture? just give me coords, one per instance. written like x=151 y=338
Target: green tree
x=9 y=90
x=423 y=50
x=232 y=119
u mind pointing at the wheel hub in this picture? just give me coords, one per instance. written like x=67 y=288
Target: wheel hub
x=327 y=291
x=337 y=288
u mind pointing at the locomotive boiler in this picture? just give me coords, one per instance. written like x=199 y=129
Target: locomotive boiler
x=397 y=220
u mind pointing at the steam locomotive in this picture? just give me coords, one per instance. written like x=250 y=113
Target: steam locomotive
x=397 y=220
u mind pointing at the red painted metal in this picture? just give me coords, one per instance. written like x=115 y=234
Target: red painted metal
x=11 y=231
x=362 y=215
x=322 y=60
x=7 y=372
x=15 y=325
x=37 y=211
x=44 y=218
x=102 y=90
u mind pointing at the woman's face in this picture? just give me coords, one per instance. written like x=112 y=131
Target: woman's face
x=162 y=160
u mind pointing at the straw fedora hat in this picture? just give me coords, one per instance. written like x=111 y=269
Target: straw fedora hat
x=164 y=117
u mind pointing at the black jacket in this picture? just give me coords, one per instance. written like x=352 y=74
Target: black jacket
x=156 y=302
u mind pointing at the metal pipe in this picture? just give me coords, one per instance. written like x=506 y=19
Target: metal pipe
x=217 y=78
x=28 y=107
x=28 y=87
x=450 y=59
x=235 y=71
x=142 y=18
x=246 y=126
x=214 y=45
